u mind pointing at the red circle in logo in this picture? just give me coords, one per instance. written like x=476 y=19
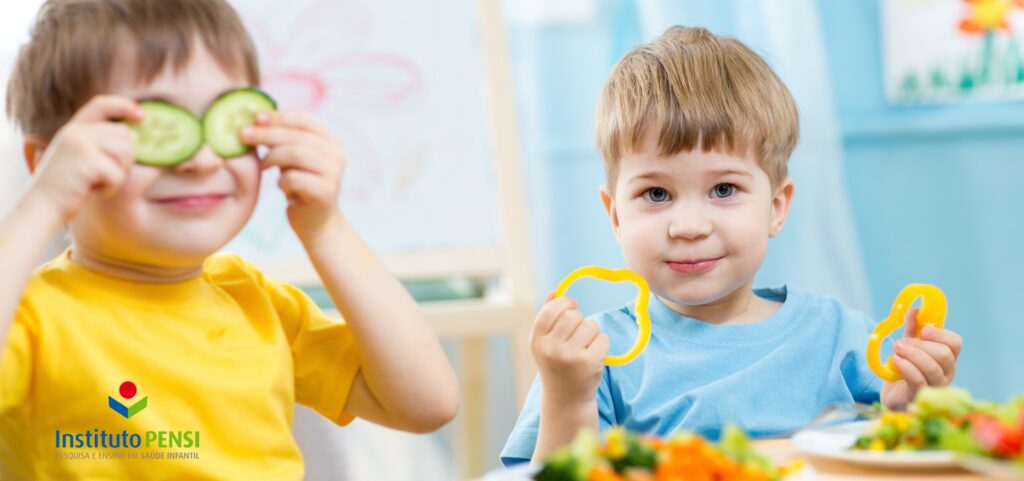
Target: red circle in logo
x=128 y=390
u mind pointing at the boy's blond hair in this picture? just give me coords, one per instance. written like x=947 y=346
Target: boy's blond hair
x=694 y=89
x=70 y=55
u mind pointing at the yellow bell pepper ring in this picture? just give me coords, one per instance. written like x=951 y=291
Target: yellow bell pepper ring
x=643 y=317
x=932 y=313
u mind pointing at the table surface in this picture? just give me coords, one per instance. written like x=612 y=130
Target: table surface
x=782 y=450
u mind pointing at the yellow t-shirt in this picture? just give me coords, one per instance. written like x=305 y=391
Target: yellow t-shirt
x=216 y=362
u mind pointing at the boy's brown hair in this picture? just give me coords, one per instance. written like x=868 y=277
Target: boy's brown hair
x=70 y=54
x=694 y=89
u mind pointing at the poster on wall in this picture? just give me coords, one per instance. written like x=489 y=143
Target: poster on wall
x=411 y=115
x=943 y=51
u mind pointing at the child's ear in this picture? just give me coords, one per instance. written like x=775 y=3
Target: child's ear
x=780 y=206
x=609 y=207
x=33 y=149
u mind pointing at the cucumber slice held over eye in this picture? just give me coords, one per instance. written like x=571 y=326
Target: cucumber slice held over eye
x=229 y=114
x=167 y=134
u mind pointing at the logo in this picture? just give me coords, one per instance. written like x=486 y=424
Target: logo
x=127 y=391
x=99 y=443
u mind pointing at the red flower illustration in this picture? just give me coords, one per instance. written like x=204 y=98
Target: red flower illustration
x=988 y=15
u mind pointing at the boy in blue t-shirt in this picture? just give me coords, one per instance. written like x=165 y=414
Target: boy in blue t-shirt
x=696 y=131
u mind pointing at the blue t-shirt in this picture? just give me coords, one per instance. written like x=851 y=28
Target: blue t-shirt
x=768 y=377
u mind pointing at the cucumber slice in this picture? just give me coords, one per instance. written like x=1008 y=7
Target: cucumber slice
x=228 y=114
x=167 y=135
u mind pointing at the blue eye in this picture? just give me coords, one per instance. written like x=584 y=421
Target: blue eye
x=723 y=191
x=656 y=194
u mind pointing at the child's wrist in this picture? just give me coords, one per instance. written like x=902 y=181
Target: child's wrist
x=328 y=232
x=571 y=415
x=561 y=397
x=44 y=209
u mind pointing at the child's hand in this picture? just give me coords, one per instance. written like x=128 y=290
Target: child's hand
x=91 y=153
x=926 y=361
x=311 y=164
x=569 y=351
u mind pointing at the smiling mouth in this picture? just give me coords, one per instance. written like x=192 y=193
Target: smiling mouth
x=694 y=266
x=193 y=202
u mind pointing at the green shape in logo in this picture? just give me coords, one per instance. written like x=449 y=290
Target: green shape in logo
x=127 y=411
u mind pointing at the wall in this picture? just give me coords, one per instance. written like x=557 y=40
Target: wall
x=935 y=193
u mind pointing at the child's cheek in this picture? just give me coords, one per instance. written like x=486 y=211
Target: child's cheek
x=246 y=172
x=246 y=176
x=138 y=181
x=639 y=246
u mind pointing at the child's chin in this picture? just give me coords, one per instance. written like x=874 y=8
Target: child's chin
x=690 y=297
x=198 y=241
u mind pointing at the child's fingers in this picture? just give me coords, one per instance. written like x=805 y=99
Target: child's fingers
x=549 y=313
x=913 y=377
x=549 y=296
x=944 y=336
x=910 y=323
x=564 y=326
x=941 y=353
x=109 y=180
x=272 y=136
x=114 y=143
x=115 y=140
x=584 y=334
x=305 y=186
x=293 y=156
x=927 y=366
x=294 y=120
x=108 y=107
x=600 y=345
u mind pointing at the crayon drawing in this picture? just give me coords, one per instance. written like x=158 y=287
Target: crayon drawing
x=409 y=113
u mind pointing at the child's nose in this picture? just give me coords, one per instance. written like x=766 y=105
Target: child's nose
x=691 y=224
x=205 y=160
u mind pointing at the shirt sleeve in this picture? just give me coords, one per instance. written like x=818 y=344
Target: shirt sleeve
x=17 y=359
x=523 y=439
x=325 y=356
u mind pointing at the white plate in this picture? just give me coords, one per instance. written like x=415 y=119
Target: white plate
x=525 y=472
x=835 y=442
x=992 y=467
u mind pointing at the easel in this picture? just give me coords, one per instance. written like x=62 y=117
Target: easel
x=507 y=308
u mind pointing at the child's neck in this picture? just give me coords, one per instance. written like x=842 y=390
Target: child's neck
x=132 y=271
x=741 y=306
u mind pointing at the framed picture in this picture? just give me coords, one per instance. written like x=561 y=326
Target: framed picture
x=942 y=51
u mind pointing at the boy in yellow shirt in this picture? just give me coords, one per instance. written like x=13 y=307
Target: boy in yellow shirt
x=141 y=353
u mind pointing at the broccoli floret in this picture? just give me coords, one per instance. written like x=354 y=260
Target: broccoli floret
x=560 y=467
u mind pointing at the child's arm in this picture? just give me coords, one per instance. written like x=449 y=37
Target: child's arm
x=91 y=153
x=570 y=352
x=926 y=361
x=405 y=380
